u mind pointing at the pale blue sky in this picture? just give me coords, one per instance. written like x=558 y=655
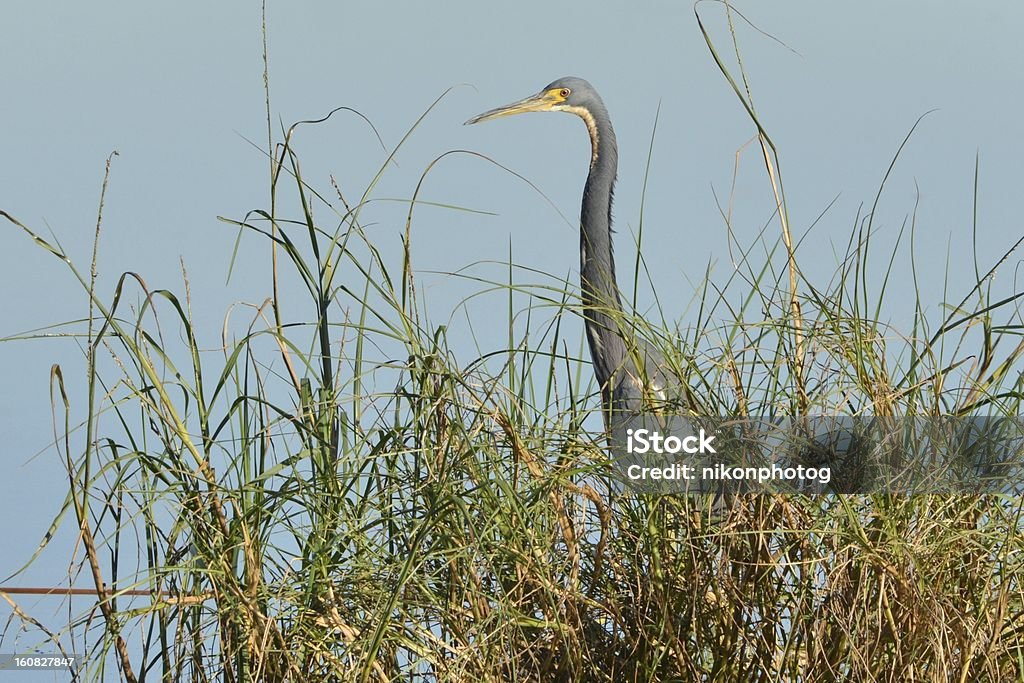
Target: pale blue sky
x=177 y=91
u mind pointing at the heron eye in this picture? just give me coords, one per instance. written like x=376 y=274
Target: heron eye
x=564 y=92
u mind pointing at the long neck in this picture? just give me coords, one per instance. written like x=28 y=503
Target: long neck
x=600 y=294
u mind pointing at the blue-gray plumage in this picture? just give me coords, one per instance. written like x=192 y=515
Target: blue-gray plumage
x=630 y=373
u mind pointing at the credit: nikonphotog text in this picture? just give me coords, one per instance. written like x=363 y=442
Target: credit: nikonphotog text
x=722 y=472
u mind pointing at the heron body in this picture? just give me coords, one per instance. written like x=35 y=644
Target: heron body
x=630 y=373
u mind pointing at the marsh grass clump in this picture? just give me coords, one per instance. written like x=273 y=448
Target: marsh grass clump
x=346 y=499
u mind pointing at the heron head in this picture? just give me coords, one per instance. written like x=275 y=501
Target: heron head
x=569 y=94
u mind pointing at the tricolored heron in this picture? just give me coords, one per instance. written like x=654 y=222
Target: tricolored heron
x=630 y=373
